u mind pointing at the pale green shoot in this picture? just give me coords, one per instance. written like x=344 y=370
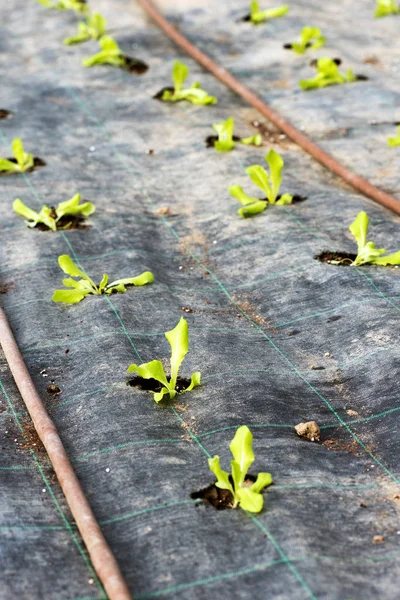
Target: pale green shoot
x=259 y=16
x=395 y=141
x=77 y=5
x=245 y=494
x=178 y=339
x=193 y=94
x=110 y=54
x=327 y=74
x=50 y=216
x=311 y=38
x=24 y=160
x=225 y=140
x=367 y=253
x=269 y=183
x=85 y=286
x=385 y=8
x=93 y=29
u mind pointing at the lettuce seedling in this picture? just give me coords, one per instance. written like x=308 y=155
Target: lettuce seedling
x=395 y=141
x=310 y=38
x=268 y=183
x=246 y=495
x=51 y=216
x=259 y=16
x=178 y=339
x=367 y=253
x=385 y=8
x=24 y=161
x=85 y=286
x=110 y=54
x=79 y=6
x=328 y=74
x=93 y=29
x=226 y=139
x=193 y=94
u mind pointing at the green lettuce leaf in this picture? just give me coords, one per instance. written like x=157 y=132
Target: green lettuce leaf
x=311 y=38
x=327 y=74
x=222 y=476
x=258 y=16
x=110 y=54
x=386 y=8
x=395 y=141
x=193 y=94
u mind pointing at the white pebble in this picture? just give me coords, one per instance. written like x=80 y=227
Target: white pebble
x=107 y=470
x=92 y=148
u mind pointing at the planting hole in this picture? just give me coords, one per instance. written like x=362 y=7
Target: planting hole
x=5 y=114
x=37 y=162
x=211 y=139
x=159 y=94
x=152 y=385
x=338 y=259
x=135 y=66
x=219 y=499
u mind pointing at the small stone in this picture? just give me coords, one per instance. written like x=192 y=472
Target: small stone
x=44 y=490
x=327 y=355
x=90 y=581
x=44 y=373
x=180 y=267
x=92 y=148
x=378 y=539
x=149 y=151
x=215 y=241
x=107 y=470
x=187 y=309
x=53 y=389
x=164 y=210
x=362 y=505
x=256 y=124
x=309 y=430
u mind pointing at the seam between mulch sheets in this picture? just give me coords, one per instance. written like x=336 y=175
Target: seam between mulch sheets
x=187 y=428
x=120 y=157
x=67 y=526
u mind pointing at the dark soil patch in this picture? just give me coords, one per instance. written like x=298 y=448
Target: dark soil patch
x=295 y=199
x=66 y=222
x=211 y=139
x=290 y=46
x=219 y=499
x=159 y=94
x=6 y=287
x=37 y=162
x=152 y=385
x=31 y=439
x=344 y=258
x=53 y=389
x=5 y=114
x=135 y=66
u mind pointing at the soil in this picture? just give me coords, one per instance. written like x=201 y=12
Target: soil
x=345 y=258
x=219 y=499
x=67 y=222
x=211 y=139
x=159 y=94
x=135 y=66
x=272 y=134
x=5 y=114
x=6 y=287
x=152 y=385
x=31 y=439
x=37 y=162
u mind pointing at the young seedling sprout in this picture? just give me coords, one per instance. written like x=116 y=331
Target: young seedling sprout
x=93 y=29
x=24 y=161
x=110 y=54
x=178 y=339
x=367 y=253
x=245 y=494
x=52 y=216
x=395 y=141
x=385 y=8
x=85 y=286
x=79 y=6
x=259 y=16
x=268 y=183
x=193 y=94
x=226 y=140
x=327 y=74
x=311 y=38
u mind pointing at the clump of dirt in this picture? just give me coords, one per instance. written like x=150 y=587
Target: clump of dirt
x=378 y=539
x=37 y=162
x=53 y=389
x=351 y=447
x=309 y=430
x=6 y=287
x=339 y=259
x=271 y=134
x=163 y=211
x=31 y=440
x=219 y=499
x=152 y=385
x=372 y=60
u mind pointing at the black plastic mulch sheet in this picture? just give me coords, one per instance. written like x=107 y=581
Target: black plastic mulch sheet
x=279 y=337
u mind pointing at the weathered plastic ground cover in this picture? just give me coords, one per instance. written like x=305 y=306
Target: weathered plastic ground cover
x=279 y=337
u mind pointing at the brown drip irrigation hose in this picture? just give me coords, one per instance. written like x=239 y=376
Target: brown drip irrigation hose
x=357 y=182
x=100 y=553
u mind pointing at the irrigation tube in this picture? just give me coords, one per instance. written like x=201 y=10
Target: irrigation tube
x=100 y=553
x=357 y=182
